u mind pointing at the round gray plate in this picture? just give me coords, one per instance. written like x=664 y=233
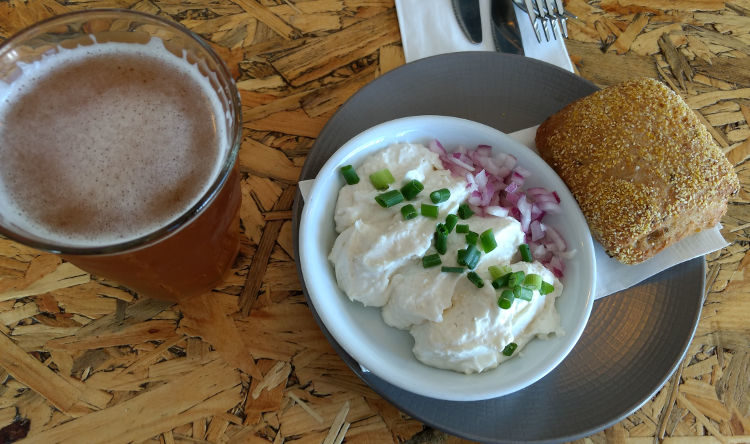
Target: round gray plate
x=634 y=339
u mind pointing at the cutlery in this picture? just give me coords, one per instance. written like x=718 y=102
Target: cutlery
x=505 y=31
x=547 y=11
x=467 y=14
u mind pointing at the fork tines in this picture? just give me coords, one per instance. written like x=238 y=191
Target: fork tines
x=551 y=15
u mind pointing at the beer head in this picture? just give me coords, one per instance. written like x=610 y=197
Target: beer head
x=110 y=139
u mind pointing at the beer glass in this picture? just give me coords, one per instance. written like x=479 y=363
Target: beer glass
x=69 y=153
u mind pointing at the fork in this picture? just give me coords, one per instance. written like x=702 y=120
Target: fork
x=550 y=12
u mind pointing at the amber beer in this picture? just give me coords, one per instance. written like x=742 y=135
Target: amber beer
x=118 y=141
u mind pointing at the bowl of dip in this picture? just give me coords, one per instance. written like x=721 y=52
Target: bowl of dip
x=383 y=315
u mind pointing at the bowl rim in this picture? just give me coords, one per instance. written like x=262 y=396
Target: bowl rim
x=351 y=149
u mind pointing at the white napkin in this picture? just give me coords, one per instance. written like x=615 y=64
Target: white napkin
x=613 y=276
x=430 y=27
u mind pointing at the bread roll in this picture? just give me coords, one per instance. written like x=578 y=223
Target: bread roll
x=643 y=168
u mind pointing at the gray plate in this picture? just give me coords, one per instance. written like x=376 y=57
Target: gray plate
x=634 y=339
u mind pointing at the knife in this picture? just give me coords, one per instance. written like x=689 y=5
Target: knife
x=505 y=31
x=467 y=14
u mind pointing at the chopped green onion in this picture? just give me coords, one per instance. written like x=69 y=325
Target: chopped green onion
x=472 y=256
x=510 y=348
x=475 y=279
x=461 y=228
x=464 y=212
x=525 y=252
x=546 y=288
x=349 y=174
x=521 y=292
x=506 y=299
x=452 y=269
x=411 y=189
x=501 y=281
x=532 y=281
x=497 y=272
x=471 y=238
x=381 y=179
x=461 y=257
x=450 y=222
x=430 y=211
x=515 y=279
x=488 y=240
x=389 y=198
x=440 y=195
x=441 y=239
x=431 y=260
x=408 y=211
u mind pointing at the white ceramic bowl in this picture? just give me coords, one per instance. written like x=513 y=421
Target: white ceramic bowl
x=387 y=351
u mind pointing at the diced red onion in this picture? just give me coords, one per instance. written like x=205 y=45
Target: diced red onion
x=436 y=147
x=497 y=211
x=556 y=239
x=537 y=231
x=522 y=171
x=495 y=182
x=524 y=207
x=460 y=163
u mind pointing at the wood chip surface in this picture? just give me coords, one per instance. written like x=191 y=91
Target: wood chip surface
x=86 y=360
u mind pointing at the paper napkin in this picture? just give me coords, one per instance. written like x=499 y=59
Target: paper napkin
x=430 y=28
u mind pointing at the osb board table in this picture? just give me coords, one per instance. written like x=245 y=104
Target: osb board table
x=85 y=360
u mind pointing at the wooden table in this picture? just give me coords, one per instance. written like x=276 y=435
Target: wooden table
x=86 y=360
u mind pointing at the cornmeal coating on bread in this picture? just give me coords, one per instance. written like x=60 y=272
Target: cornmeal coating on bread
x=643 y=168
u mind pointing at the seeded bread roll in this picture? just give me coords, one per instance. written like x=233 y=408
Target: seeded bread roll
x=643 y=168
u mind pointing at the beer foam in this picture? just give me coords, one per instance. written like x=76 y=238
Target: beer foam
x=106 y=143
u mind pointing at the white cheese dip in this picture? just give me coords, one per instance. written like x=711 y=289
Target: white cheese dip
x=377 y=259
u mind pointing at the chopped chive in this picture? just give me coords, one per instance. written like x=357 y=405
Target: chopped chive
x=430 y=211
x=441 y=239
x=532 y=281
x=501 y=281
x=525 y=252
x=441 y=195
x=475 y=279
x=431 y=260
x=461 y=257
x=488 y=241
x=471 y=238
x=496 y=271
x=506 y=299
x=350 y=176
x=546 y=288
x=381 y=179
x=389 y=198
x=461 y=228
x=515 y=279
x=453 y=269
x=521 y=292
x=472 y=256
x=464 y=211
x=450 y=222
x=411 y=189
x=408 y=211
x=510 y=348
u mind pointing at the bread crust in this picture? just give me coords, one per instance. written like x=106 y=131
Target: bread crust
x=644 y=170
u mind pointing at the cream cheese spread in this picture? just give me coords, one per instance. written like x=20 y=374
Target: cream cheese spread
x=377 y=259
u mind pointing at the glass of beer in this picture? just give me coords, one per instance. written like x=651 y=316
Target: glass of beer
x=119 y=134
